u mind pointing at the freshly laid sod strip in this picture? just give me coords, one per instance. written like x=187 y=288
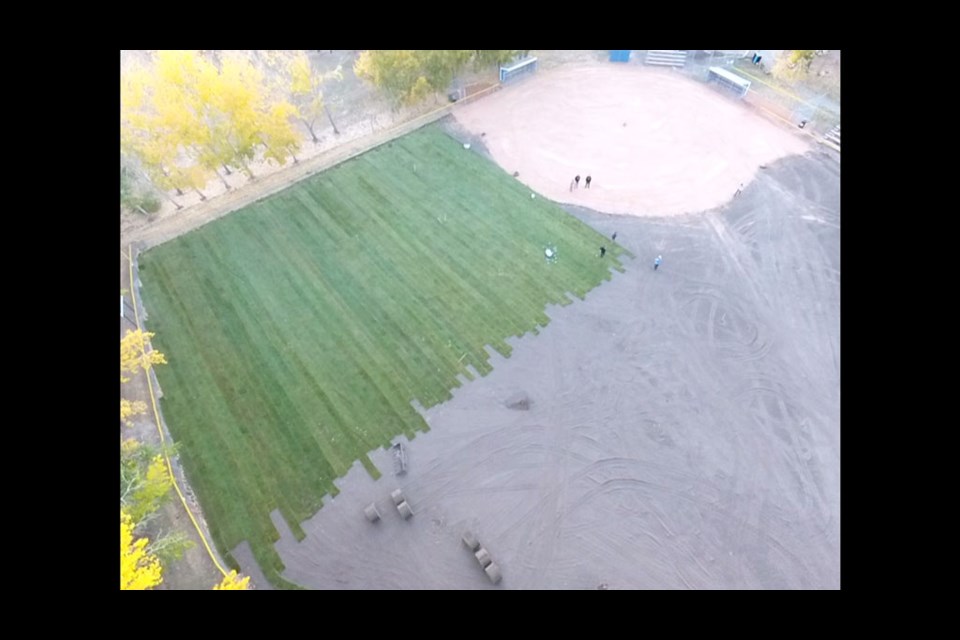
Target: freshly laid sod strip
x=300 y=329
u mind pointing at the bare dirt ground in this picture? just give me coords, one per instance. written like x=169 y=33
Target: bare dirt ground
x=825 y=74
x=684 y=431
x=654 y=142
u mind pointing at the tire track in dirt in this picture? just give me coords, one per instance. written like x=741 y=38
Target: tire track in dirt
x=651 y=456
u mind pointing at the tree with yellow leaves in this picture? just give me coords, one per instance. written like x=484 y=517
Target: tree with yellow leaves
x=133 y=358
x=135 y=354
x=156 y=125
x=793 y=64
x=187 y=87
x=186 y=116
x=130 y=408
x=139 y=569
x=233 y=582
x=145 y=482
x=305 y=87
x=230 y=102
x=279 y=138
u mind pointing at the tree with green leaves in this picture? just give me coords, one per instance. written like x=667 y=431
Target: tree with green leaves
x=439 y=67
x=490 y=57
x=409 y=76
x=144 y=481
x=145 y=486
x=134 y=194
x=396 y=72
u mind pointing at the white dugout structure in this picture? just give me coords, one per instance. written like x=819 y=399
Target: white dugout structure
x=517 y=69
x=730 y=81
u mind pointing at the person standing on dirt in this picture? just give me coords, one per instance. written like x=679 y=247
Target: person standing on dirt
x=656 y=263
x=739 y=190
x=603 y=251
x=577 y=181
x=588 y=181
x=614 y=236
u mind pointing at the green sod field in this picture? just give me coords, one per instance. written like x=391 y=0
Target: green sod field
x=299 y=329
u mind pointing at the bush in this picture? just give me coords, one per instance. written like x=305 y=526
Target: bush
x=127 y=198
x=150 y=203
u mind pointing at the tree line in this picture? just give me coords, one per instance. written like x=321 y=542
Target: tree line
x=410 y=76
x=188 y=117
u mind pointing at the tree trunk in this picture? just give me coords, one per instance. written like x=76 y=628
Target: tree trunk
x=223 y=180
x=162 y=191
x=249 y=172
x=289 y=151
x=202 y=197
x=227 y=169
x=309 y=127
x=168 y=197
x=336 y=131
x=167 y=173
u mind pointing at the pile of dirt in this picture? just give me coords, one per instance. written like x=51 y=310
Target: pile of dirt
x=519 y=401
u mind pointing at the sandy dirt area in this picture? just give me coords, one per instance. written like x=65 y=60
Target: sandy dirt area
x=684 y=431
x=654 y=142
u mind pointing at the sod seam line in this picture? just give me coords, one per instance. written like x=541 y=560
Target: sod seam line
x=337 y=312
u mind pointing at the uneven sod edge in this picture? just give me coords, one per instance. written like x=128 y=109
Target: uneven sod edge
x=301 y=328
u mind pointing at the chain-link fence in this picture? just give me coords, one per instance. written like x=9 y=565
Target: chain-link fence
x=817 y=109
